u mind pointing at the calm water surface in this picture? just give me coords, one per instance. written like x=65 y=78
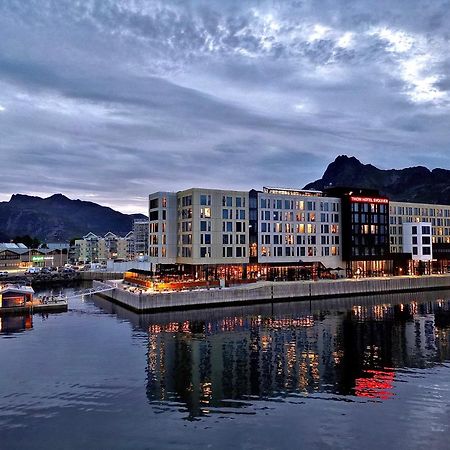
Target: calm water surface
x=349 y=373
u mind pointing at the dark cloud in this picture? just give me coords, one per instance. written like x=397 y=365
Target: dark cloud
x=110 y=100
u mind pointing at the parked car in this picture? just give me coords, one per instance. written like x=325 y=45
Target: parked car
x=4 y=273
x=33 y=270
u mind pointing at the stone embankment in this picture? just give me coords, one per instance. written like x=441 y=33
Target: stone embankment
x=267 y=292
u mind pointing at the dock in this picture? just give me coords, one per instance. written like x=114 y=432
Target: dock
x=140 y=300
x=36 y=307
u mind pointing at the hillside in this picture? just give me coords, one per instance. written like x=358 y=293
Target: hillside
x=413 y=184
x=59 y=218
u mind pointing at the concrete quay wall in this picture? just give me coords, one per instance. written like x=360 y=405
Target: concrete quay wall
x=268 y=292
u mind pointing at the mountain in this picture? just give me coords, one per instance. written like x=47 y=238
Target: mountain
x=59 y=218
x=413 y=184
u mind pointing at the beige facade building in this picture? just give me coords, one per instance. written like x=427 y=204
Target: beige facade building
x=93 y=248
x=404 y=212
x=199 y=227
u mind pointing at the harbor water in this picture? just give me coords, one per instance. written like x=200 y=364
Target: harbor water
x=347 y=373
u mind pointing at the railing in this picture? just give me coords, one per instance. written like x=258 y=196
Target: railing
x=101 y=287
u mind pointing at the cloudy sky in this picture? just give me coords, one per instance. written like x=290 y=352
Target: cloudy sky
x=109 y=100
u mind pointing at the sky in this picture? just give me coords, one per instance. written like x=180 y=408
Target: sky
x=110 y=100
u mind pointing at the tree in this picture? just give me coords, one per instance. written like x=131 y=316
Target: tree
x=30 y=242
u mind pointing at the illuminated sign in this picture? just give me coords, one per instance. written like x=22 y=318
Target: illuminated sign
x=383 y=201
x=37 y=258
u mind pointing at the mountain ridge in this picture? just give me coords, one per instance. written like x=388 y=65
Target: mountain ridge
x=412 y=184
x=58 y=217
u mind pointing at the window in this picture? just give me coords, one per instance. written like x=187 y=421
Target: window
x=205 y=239
x=205 y=225
x=426 y=250
x=154 y=215
x=186 y=201
x=238 y=202
x=227 y=201
x=205 y=252
x=186 y=238
x=225 y=214
x=205 y=213
x=414 y=250
x=414 y=240
x=426 y=240
x=154 y=203
x=205 y=200
x=425 y=230
x=414 y=230
x=241 y=214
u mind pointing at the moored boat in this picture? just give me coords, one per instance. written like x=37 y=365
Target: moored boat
x=20 y=298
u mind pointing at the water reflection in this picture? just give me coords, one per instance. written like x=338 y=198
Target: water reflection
x=11 y=323
x=218 y=361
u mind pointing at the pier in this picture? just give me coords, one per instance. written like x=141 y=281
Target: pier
x=268 y=292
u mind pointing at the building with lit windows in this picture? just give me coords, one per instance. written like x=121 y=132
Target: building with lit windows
x=288 y=234
x=294 y=229
x=140 y=236
x=438 y=216
x=94 y=248
x=364 y=230
x=200 y=229
x=403 y=216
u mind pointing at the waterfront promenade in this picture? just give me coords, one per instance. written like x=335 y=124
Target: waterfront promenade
x=267 y=292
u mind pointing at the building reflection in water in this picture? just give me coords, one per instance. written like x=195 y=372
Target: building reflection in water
x=220 y=360
x=10 y=323
x=226 y=362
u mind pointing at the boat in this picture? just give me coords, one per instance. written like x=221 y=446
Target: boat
x=15 y=298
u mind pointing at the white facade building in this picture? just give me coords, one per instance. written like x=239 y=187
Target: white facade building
x=417 y=240
x=298 y=226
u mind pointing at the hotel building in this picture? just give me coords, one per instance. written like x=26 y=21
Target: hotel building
x=365 y=231
x=294 y=229
x=202 y=230
x=433 y=223
x=284 y=233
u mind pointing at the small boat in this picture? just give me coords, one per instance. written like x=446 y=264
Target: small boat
x=16 y=298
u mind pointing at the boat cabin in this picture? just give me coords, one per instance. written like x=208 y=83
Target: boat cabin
x=12 y=296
